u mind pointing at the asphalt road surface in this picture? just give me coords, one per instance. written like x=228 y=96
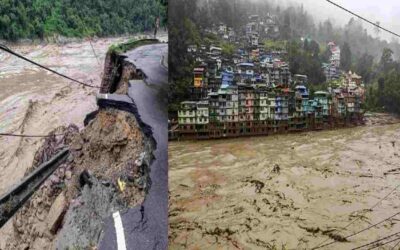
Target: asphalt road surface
x=146 y=226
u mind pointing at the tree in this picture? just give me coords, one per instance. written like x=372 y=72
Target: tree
x=314 y=48
x=328 y=30
x=306 y=62
x=41 y=18
x=390 y=95
x=386 y=59
x=364 y=67
x=286 y=30
x=345 y=57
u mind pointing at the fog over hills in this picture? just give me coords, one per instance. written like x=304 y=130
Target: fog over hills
x=387 y=12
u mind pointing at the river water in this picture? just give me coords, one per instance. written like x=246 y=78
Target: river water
x=287 y=191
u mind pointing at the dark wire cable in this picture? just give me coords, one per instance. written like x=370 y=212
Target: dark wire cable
x=366 y=20
x=353 y=221
x=28 y=136
x=376 y=241
x=94 y=52
x=383 y=244
x=2 y=45
x=396 y=245
x=4 y=48
x=363 y=230
x=7 y=49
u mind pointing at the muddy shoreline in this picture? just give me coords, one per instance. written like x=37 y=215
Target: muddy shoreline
x=62 y=40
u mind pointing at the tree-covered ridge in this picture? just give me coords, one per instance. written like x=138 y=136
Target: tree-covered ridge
x=75 y=18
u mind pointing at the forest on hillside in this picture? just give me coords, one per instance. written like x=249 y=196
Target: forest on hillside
x=37 y=19
x=305 y=39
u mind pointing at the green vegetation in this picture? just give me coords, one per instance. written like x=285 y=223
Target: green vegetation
x=384 y=93
x=305 y=59
x=72 y=18
x=129 y=45
x=275 y=45
x=228 y=49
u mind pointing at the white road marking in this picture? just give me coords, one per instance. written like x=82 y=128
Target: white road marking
x=119 y=230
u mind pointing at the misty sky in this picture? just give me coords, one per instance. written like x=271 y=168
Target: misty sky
x=385 y=11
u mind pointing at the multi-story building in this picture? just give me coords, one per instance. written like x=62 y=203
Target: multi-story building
x=331 y=69
x=232 y=103
x=322 y=97
x=248 y=101
x=187 y=113
x=302 y=97
x=202 y=112
x=271 y=105
x=282 y=106
x=187 y=120
x=227 y=78
x=252 y=92
x=261 y=104
x=213 y=106
x=339 y=104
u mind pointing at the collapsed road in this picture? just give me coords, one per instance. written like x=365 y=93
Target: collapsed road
x=146 y=226
x=112 y=191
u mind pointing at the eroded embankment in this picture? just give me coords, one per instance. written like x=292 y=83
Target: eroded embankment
x=107 y=171
x=118 y=71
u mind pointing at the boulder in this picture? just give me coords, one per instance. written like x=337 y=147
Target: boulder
x=56 y=213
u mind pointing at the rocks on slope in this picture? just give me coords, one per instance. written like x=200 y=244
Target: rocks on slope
x=67 y=211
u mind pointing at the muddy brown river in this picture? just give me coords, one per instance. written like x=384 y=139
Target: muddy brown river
x=291 y=191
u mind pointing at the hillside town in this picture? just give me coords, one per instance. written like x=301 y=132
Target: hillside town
x=252 y=91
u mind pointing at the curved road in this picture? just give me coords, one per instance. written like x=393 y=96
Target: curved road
x=146 y=227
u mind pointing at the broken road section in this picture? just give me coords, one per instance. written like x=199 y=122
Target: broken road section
x=108 y=170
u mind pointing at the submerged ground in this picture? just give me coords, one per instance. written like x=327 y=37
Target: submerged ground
x=285 y=192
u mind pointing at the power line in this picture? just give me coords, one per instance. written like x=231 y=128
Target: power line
x=94 y=52
x=358 y=218
x=376 y=244
x=28 y=136
x=363 y=230
x=376 y=241
x=366 y=20
x=396 y=245
x=384 y=243
x=5 y=48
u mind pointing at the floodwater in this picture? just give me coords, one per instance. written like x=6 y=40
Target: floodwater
x=291 y=191
x=35 y=102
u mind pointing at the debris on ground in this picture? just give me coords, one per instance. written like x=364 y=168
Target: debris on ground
x=70 y=207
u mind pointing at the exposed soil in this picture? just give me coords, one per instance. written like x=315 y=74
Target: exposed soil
x=287 y=191
x=109 y=149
